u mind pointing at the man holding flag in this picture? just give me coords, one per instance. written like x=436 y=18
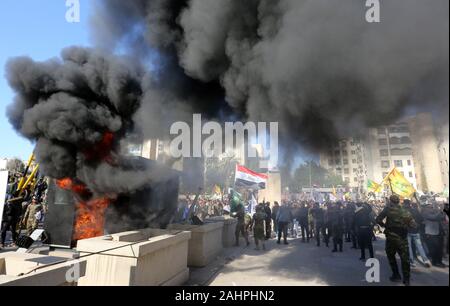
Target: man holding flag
x=399 y=184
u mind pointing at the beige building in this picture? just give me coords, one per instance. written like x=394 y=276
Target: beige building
x=346 y=159
x=424 y=136
x=443 y=136
x=388 y=147
x=417 y=148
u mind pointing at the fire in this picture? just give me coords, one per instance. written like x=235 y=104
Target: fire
x=90 y=219
x=90 y=214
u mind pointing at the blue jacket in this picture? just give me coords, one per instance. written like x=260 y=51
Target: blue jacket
x=284 y=214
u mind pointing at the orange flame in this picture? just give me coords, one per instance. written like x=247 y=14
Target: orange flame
x=90 y=219
x=90 y=215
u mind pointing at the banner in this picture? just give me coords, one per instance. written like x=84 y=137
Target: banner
x=252 y=203
x=399 y=184
x=235 y=200
x=249 y=179
x=3 y=186
x=374 y=187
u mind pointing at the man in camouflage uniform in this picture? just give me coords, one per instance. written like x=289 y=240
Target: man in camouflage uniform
x=257 y=225
x=398 y=220
x=240 y=226
x=30 y=219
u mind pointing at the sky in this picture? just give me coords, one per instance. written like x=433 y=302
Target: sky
x=38 y=29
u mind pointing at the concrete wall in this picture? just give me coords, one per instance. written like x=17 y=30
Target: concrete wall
x=149 y=257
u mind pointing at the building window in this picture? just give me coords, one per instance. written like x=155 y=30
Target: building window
x=355 y=170
x=345 y=161
x=398 y=163
x=353 y=152
x=330 y=162
x=411 y=174
x=385 y=164
x=347 y=180
x=382 y=142
x=346 y=171
x=354 y=161
x=337 y=162
x=384 y=153
x=381 y=131
x=409 y=162
x=401 y=152
x=337 y=153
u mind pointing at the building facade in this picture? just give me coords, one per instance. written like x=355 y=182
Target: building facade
x=415 y=146
x=346 y=159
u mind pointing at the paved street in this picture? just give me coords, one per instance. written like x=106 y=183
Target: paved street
x=301 y=264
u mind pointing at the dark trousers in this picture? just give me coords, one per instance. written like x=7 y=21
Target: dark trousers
x=354 y=238
x=304 y=227
x=321 y=229
x=282 y=229
x=268 y=228
x=9 y=225
x=435 y=245
x=365 y=241
x=275 y=226
x=338 y=240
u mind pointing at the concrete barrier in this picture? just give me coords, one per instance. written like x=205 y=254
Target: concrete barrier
x=205 y=243
x=228 y=231
x=24 y=269
x=149 y=257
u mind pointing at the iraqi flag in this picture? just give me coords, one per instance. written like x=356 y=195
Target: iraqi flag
x=250 y=179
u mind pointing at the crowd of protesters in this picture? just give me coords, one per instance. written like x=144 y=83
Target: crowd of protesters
x=337 y=224
x=23 y=210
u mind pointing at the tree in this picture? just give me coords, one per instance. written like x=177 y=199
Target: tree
x=309 y=174
x=220 y=172
x=15 y=165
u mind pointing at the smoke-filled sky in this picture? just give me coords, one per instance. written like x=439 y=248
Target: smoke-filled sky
x=315 y=66
x=37 y=29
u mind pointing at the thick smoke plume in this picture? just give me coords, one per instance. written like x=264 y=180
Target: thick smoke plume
x=316 y=66
x=77 y=109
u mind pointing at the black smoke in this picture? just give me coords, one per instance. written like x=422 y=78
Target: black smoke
x=315 y=66
x=68 y=105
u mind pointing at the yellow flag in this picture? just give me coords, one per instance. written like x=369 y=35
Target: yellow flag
x=217 y=190
x=334 y=191
x=399 y=184
x=374 y=187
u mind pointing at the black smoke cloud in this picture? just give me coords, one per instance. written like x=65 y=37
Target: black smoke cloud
x=317 y=67
x=67 y=105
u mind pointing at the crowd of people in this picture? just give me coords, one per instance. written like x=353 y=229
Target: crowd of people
x=24 y=209
x=417 y=232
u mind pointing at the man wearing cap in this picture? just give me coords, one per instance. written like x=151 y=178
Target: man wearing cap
x=32 y=216
x=398 y=221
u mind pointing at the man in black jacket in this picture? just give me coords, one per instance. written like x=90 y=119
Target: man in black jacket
x=364 y=222
x=11 y=217
x=304 y=222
